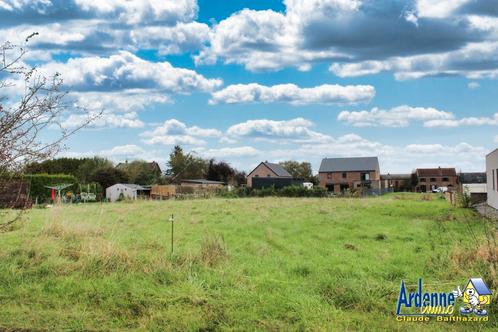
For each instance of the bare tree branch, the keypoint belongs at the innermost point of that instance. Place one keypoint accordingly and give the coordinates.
(32, 109)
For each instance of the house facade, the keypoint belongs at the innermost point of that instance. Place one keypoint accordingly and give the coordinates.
(429, 179)
(339, 174)
(267, 170)
(492, 178)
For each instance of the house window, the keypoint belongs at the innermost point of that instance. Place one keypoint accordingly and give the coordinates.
(329, 176)
(433, 179)
(344, 175)
(493, 172)
(422, 179)
(268, 175)
(446, 179)
(365, 176)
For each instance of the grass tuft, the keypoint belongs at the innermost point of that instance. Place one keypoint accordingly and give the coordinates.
(213, 250)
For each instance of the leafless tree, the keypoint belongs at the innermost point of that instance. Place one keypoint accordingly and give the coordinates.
(31, 103)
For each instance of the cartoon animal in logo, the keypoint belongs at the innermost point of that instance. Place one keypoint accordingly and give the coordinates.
(475, 295)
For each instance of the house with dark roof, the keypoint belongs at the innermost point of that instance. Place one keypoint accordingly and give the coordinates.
(429, 179)
(267, 170)
(340, 174)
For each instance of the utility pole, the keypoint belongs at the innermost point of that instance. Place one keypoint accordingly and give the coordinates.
(172, 219)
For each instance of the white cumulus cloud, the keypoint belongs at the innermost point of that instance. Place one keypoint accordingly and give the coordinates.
(173, 132)
(104, 120)
(467, 121)
(127, 71)
(399, 116)
(292, 94)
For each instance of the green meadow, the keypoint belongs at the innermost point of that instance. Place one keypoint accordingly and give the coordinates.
(316, 264)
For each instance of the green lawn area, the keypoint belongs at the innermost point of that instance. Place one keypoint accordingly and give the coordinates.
(239, 264)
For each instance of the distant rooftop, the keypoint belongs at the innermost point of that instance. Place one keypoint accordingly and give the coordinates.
(354, 164)
(395, 176)
(202, 181)
(134, 186)
(427, 172)
(277, 169)
(476, 177)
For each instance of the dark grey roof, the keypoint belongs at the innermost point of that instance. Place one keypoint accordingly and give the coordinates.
(135, 186)
(349, 164)
(478, 177)
(277, 169)
(132, 186)
(202, 181)
(395, 176)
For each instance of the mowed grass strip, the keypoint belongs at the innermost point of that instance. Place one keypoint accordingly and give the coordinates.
(238, 264)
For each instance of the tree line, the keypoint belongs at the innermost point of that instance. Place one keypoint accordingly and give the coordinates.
(181, 165)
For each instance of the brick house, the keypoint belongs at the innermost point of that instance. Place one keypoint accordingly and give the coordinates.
(268, 170)
(429, 179)
(339, 174)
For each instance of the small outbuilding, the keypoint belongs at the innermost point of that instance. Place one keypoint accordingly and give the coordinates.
(126, 191)
(396, 182)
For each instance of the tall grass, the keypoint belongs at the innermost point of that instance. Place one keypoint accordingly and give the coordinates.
(246, 264)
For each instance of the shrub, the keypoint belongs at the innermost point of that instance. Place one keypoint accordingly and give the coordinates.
(213, 250)
(289, 191)
(463, 199)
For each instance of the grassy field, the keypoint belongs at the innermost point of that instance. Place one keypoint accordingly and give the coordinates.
(239, 264)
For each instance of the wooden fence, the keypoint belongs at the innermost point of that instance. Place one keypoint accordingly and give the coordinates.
(14, 194)
(162, 191)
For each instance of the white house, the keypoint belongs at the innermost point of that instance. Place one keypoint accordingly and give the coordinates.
(129, 191)
(492, 176)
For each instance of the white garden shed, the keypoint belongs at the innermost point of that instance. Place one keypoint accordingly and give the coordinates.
(129, 191)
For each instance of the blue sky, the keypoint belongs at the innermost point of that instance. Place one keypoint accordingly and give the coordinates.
(413, 82)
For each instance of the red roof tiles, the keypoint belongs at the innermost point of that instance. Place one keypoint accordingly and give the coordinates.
(435, 172)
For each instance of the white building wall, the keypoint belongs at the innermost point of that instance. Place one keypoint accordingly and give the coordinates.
(474, 188)
(492, 178)
(113, 192)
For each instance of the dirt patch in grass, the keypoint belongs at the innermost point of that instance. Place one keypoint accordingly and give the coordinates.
(350, 246)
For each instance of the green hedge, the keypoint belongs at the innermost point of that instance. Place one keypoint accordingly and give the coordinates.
(289, 191)
(39, 181)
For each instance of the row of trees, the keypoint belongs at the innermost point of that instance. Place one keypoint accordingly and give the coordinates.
(181, 165)
(99, 170)
(189, 166)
